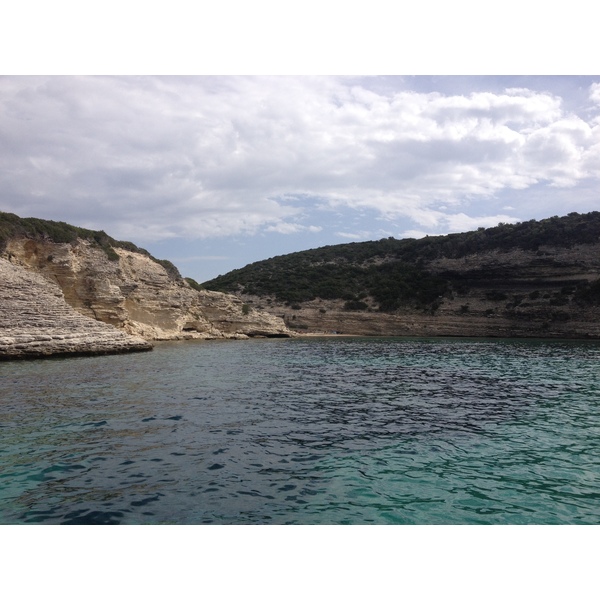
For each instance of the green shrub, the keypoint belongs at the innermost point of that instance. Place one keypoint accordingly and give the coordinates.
(194, 284)
(355, 305)
(170, 268)
(110, 253)
(62, 233)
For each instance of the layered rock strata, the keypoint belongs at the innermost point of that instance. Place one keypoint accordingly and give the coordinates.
(128, 291)
(35, 321)
(519, 293)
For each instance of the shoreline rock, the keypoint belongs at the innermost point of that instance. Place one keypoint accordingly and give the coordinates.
(72, 298)
(36, 322)
(512, 294)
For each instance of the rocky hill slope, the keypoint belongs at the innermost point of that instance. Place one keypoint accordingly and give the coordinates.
(35, 321)
(534, 279)
(111, 282)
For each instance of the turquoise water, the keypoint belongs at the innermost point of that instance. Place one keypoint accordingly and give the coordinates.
(306, 431)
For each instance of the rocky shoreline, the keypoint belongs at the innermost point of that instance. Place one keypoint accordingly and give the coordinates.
(36, 322)
(511, 294)
(67, 291)
(60, 299)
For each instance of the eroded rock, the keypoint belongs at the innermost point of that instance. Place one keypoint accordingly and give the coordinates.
(35, 321)
(134, 294)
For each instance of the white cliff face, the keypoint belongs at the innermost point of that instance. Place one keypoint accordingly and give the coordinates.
(35, 321)
(136, 294)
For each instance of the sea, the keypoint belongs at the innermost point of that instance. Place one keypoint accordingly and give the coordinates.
(307, 431)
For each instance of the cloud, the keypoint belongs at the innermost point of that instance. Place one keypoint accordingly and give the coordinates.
(287, 228)
(461, 222)
(595, 93)
(457, 223)
(362, 235)
(151, 158)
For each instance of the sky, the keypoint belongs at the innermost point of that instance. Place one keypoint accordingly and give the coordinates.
(216, 170)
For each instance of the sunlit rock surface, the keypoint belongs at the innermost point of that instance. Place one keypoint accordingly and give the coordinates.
(132, 295)
(35, 321)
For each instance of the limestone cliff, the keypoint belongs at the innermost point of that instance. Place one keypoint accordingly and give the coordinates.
(35, 321)
(535, 279)
(495, 294)
(135, 293)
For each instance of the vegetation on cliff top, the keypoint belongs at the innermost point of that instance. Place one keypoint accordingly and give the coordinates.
(12, 226)
(392, 272)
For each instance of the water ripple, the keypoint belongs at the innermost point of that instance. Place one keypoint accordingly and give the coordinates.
(348, 430)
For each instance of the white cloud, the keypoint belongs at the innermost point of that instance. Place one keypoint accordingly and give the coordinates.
(358, 235)
(287, 228)
(414, 233)
(156, 158)
(462, 222)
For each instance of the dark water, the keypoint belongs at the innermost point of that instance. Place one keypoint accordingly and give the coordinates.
(306, 431)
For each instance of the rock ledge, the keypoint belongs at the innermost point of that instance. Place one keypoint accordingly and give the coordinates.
(35, 321)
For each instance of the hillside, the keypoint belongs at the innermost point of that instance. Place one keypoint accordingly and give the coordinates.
(56, 274)
(537, 278)
(14, 227)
